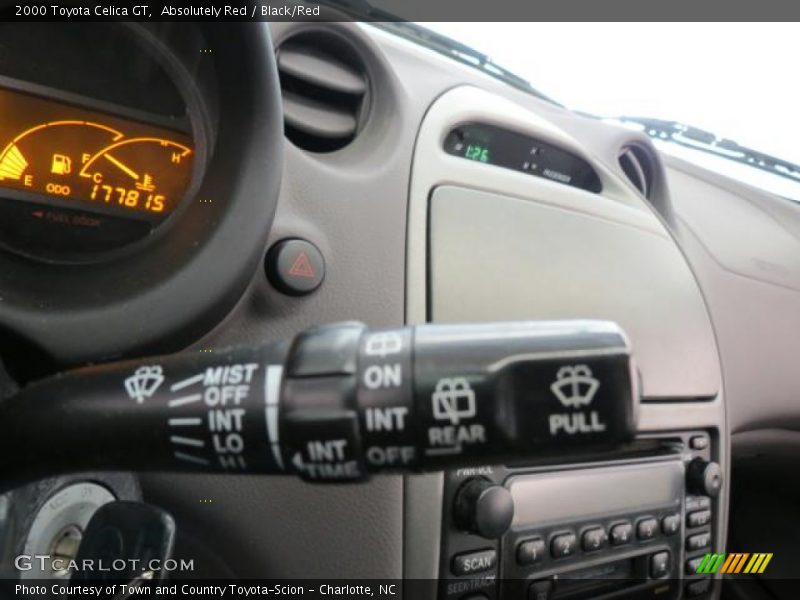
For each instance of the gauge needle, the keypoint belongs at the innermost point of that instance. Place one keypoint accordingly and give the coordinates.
(121, 166)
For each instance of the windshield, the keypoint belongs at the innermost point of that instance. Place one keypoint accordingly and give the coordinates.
(732, 79)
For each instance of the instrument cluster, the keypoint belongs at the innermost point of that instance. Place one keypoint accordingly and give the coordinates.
(93, 163)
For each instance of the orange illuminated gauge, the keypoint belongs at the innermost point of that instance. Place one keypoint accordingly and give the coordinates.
(148, 174)
(72, 158)
(27, 162)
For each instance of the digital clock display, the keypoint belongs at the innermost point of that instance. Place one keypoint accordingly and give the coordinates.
(477, 152)
(494, 145)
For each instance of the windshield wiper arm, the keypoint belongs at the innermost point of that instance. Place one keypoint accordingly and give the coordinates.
(704, 141)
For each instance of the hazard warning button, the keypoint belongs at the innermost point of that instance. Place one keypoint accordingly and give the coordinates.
(295, 266)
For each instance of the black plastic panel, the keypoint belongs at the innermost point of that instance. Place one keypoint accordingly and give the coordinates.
(646, 482)
(503, 148)
(176, 285)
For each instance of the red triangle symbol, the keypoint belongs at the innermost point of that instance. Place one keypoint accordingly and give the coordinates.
(302, 267)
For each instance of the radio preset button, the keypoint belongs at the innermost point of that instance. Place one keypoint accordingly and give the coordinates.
(698, 542)
(621, 534)
(698, 518)
(594, 539)
(563, 545)
(659, 565)
(646, 529)
(474, 562)
(671, 524)
(530, 551)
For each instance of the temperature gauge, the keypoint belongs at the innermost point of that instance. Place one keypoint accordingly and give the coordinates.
(146, 174)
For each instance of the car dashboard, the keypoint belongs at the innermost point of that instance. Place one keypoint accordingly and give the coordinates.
(189, 187)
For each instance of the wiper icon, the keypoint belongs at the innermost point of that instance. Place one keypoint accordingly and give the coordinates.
(144, 382)
(575, 386)
(453, 400)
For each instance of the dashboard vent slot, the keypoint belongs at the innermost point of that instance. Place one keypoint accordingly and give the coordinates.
(638, 167)
(325, 88)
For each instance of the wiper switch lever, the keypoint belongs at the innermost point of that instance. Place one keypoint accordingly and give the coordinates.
(336, 404)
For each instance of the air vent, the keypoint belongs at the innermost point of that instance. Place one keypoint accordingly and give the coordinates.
(639, 169)
(325, 90)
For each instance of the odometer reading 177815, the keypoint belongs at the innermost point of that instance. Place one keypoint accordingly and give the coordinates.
(91, 161)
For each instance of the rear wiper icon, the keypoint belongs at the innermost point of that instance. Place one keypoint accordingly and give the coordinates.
(453, 400)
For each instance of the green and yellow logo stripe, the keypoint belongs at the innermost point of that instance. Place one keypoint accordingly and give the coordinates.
(735, 562)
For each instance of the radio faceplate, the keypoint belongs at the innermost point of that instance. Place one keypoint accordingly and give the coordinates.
(624, 528)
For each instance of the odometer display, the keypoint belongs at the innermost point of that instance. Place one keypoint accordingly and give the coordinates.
(90, 161)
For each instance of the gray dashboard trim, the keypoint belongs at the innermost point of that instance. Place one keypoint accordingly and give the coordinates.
(353, 203)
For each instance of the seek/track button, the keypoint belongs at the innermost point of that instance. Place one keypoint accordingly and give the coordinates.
(474, 562)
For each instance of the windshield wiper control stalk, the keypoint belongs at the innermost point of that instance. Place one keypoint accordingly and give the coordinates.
(335, 404)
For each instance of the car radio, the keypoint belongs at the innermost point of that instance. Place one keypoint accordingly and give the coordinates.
(634, 526)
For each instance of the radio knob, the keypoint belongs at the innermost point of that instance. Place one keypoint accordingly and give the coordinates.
(703, 477)
(484, 508)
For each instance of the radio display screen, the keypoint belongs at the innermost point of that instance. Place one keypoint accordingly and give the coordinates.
(558, 496)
